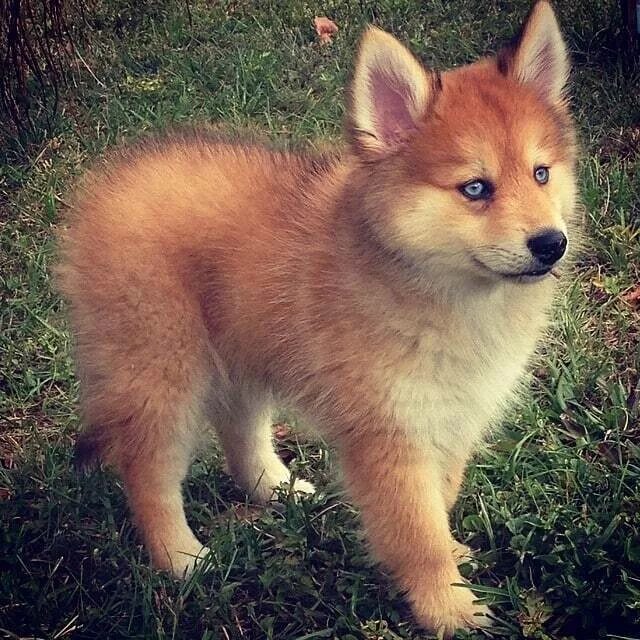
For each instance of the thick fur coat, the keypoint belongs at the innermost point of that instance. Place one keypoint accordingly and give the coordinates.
(391, 294)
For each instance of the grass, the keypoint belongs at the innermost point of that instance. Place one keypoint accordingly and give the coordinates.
(553, 503)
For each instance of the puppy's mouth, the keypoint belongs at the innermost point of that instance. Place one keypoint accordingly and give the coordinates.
(536, 273)
(529, 275)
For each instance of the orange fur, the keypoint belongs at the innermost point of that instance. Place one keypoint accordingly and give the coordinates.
(208, 280)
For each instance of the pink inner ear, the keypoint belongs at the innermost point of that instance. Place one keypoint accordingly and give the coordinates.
(544, 71)
(390, 98)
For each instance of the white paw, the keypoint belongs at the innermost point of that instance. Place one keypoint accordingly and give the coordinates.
(303, 486)
(272, 476)
(443, 610)
(184, 562)
(266, 491)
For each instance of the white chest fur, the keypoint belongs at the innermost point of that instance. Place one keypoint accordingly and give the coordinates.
(459, 378)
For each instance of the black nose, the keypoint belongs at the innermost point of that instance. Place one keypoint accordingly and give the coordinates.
(548, 246)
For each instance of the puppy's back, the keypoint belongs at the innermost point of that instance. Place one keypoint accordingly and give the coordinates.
(131, 269)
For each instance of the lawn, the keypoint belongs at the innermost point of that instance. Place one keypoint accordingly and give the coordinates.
(552, 503)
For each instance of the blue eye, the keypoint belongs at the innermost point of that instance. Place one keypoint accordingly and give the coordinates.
(476, 190)
(541, 174)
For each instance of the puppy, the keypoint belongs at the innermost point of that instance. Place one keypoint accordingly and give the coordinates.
(391, 293)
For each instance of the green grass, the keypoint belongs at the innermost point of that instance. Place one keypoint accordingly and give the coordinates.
(553, 503)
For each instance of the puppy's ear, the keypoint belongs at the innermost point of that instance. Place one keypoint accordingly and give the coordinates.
(390, 94)
(539, 58)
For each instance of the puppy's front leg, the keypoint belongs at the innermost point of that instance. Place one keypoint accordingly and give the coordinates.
(400, 491)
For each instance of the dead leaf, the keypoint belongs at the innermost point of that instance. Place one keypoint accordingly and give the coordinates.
(632, 297)
(282, 431)
(325, 29)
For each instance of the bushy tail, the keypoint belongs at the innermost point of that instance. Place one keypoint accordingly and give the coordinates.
(88, 452)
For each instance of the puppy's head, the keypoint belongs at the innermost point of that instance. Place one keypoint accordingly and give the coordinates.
(468, 172)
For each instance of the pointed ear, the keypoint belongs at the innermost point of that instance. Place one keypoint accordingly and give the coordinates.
(540, 56)
(390, 93)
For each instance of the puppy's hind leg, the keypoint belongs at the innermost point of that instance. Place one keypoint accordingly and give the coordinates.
(147, 430)
(153, 482)
(144, 361)
(244, 431)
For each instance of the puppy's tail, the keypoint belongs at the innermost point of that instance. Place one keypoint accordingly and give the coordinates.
(88, 451)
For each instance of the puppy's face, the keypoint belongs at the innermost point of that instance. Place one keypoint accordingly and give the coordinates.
(470, 172)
